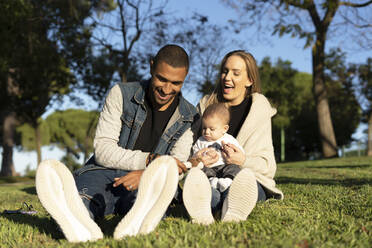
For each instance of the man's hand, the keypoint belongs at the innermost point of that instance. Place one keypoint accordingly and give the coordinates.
(130, 181)
(151, 157)
(181, 167)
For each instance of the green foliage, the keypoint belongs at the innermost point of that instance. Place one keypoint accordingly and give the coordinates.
(27, 134)
(99, 74)
(42, 45)
(73, 130)
(365, 81)
(342, 97)
(29, 172)
(291, 93)
(313, 21)
(303, 132)
(70, 162)
(327, 204)
(278, 85)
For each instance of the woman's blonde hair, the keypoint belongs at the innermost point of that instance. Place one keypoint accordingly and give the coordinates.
(252, 73)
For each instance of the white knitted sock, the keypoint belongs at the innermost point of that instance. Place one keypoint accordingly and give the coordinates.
(213, 181)
(224, 183)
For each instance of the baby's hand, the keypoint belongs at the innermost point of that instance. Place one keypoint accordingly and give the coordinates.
(209, 151)
(207, 156)
(210, 155)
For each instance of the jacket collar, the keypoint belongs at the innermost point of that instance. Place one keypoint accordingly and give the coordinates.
(261, 110)
(139, 96)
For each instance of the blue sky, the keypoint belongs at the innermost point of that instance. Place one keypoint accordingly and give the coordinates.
(285, 48)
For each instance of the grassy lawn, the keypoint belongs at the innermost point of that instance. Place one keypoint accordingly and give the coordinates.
(328, 203)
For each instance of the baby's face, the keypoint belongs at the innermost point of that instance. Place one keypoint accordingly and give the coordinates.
(213, 128)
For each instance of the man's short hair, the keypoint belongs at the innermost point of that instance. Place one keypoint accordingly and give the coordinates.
(220, 110)
(173, 55)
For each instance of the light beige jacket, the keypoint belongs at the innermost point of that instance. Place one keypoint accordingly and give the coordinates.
(255, 137)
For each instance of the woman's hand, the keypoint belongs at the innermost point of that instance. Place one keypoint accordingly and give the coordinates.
(130, 181)
(232, 154)
(207, 156)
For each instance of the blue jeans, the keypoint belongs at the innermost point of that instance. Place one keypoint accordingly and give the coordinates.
(218, 197)
(95, 186)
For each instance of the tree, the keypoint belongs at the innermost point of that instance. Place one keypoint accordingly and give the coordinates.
(205, 47)
(35, 66)
(73, 130)
(11, 14)
(143, 28)
(339, 77)
(28, 137)
(311, 20)
(99, 74)
(278, 85)
(121, 28)
(365, 81)
(290, 92)
(121, 41)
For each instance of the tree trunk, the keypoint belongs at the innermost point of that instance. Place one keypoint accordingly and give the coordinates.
(124, 77)
(369, 142)
(9, 124)
(282, 144)
(38, 143)
(124, 70)
(89, 135)
(327, 135)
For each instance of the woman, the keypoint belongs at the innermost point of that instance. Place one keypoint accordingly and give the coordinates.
(250, 124)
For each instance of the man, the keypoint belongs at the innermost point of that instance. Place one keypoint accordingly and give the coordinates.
(138, 122)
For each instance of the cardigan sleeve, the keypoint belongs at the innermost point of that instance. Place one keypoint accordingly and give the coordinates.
(182, 148)
(260, 152)
(106, 149)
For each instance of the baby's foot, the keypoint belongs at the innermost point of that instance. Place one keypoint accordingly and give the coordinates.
(223, 184)
(213, 181)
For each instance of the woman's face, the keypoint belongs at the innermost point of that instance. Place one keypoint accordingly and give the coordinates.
(234, 80)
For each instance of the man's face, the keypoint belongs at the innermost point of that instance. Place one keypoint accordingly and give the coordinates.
(166, 83)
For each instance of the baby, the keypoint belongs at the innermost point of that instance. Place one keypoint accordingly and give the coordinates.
(215, 123)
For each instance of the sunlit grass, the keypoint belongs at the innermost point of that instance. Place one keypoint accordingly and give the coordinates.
(328, 203)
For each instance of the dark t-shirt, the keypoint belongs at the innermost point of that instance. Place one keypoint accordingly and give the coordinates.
(154, 125)
(238, 115)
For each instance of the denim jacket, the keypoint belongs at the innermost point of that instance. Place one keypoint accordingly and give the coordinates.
(120, 123)
(134, 115)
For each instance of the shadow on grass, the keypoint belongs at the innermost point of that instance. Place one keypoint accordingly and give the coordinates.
(359, 166)
(48, 226)
(177, 211)
(343, 182)
(43, 224)
(109, 223)
(30, 190)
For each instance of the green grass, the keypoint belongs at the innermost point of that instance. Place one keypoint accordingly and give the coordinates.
(328, 203)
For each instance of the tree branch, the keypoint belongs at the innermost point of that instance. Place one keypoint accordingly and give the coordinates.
(332, 7)
(348, 20)
(138, 30)
(313, 13)
(298, 4)
(123, 25)
(356, 5)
